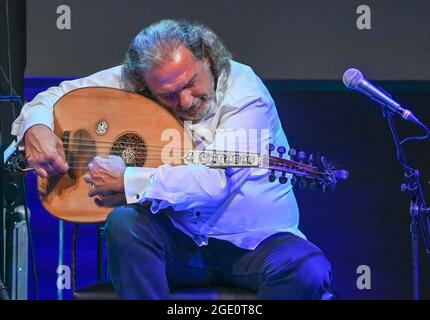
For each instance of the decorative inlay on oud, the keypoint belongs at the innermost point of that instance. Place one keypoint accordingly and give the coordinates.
(131, 148)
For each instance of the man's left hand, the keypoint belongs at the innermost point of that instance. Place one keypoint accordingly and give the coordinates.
(107, 176)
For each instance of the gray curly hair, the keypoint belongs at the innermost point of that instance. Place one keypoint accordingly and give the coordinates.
(159, 41)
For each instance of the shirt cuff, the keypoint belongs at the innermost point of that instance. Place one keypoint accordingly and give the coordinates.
(136, 180)
(37, 117)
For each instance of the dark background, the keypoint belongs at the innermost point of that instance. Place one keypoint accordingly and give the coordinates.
(12, 61)
(293, 39)
(300, 49)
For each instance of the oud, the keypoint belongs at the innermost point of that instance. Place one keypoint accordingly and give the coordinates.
(99, 121)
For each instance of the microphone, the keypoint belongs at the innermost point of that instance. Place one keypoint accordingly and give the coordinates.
(354, 79)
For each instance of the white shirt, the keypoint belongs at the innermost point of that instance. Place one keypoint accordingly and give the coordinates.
(239, 205)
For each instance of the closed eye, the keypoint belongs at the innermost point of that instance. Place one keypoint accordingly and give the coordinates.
(173, 95)
(168, 96)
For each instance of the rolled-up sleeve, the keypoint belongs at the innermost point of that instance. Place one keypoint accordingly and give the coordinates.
(40, 109)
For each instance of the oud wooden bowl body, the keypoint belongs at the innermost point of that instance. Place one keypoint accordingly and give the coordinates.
(102, 121)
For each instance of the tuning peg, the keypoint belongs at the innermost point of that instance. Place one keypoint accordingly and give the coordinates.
(272, 176)
(311, 159)
(302, 184)
(294, 180)
(302, 156)
(324, 162)
(341, 174)
(270, 147)
(292, 153)
(281, 150)
(283, 179)
(328, 187)
(313, 186)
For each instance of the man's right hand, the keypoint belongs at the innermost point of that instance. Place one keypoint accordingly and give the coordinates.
(44, 151)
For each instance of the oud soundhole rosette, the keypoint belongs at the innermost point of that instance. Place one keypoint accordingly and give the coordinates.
(102, 127)
(131, 148)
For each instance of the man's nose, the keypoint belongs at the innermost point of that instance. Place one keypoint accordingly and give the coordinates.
(186, 99)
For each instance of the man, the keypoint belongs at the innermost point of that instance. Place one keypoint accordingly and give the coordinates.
(204, 226)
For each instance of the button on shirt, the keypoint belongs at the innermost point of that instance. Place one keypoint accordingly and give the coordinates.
(239, 205)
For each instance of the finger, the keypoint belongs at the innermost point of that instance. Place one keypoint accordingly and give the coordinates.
(41, 168)
(113, 156)
(42, 172)
(88, 178)
(110, 201)
(49, 168)
(98, 191)
(59, 165)
(116, 160)
(37, 167)
(60, 149)
(93, 192)
(98, 201)
(97, 159)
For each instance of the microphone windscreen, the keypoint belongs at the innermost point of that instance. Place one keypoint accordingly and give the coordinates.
(352, 78)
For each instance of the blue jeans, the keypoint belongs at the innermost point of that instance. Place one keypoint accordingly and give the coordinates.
(148, 256)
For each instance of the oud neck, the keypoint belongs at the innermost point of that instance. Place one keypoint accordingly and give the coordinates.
(224, 159)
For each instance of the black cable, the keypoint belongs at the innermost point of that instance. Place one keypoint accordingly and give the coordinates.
(13, 92)
(413, 138)
(9, 60)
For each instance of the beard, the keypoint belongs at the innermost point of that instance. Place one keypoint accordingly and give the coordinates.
(200, 108)
(201, 105)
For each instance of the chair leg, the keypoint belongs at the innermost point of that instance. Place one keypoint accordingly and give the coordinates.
(100, 252)
(75, 240)
(60, 253)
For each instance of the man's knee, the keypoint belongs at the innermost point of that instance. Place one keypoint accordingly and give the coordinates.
(302, 268)
(122, 223)
(307, 279)
(314, 272)
(309, 270)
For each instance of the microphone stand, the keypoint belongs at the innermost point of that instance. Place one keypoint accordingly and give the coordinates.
(7, 217)
(419, 212)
